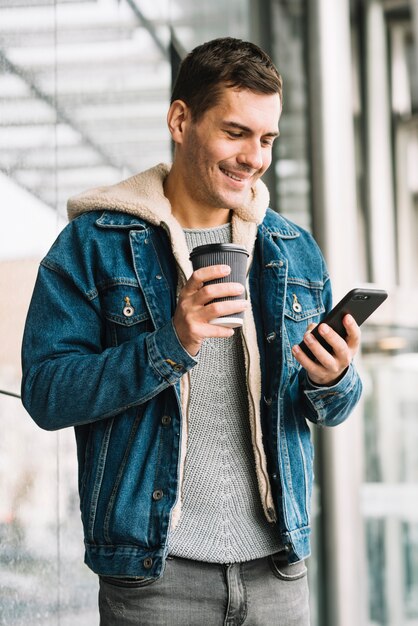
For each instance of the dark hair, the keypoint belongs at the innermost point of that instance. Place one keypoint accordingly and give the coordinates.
(223, 62)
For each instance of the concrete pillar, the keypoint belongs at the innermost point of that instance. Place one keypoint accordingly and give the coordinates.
(381, 210)
(337, 231)
(333, 165)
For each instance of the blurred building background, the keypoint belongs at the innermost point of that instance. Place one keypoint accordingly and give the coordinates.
(84, 89)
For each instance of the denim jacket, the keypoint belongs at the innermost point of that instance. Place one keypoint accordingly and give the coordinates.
(100, 354)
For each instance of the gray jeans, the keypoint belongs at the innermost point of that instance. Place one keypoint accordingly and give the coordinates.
(263, 592)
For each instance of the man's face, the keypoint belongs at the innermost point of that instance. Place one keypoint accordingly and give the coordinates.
(224, 153)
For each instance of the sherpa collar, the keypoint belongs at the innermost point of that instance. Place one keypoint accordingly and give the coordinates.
(142, 195)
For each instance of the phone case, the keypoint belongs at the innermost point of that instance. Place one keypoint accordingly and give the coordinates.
(360, 303)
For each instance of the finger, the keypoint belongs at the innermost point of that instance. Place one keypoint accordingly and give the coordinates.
(212, 272)
(314, 369)
(345, 348)
(218, 290)
(328, 369)
(202, 275)
(323, 356)
(202, 326)
(342, 354)
(317, 373)
(220, 309)
(220, 332)
(333, 339)
(353, 333)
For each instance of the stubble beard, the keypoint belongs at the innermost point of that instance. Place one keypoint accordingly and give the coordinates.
(206, 189)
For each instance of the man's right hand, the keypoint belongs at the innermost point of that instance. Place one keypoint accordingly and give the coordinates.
(193, 313)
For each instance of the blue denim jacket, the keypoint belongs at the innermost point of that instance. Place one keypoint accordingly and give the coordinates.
(116, 378)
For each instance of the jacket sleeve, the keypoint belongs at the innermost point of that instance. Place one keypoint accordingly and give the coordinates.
(330, 406)
(69, 378)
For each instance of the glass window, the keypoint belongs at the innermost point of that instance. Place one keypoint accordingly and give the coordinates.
(389, 494)
(84, 89)
(196, 21)
(292, 168)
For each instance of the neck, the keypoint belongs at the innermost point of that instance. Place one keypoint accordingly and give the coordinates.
(188, 213)
(187, 219)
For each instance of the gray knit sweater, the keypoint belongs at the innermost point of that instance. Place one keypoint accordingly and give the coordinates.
(222, 519)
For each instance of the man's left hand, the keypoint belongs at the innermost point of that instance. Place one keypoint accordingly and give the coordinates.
(330, 367)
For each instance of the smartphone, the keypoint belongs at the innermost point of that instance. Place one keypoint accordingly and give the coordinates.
(360, 303)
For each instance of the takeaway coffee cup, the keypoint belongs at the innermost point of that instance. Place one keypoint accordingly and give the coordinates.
(226, 254)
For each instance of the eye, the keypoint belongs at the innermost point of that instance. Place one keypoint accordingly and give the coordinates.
(267, 142)
(234, 135)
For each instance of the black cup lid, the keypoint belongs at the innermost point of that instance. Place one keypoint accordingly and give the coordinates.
(217, 247)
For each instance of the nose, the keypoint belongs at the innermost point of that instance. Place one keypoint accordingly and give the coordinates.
(252, 155)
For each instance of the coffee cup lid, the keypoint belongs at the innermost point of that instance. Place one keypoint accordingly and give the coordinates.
(217, 247)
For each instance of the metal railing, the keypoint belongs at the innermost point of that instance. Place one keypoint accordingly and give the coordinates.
(9, 393)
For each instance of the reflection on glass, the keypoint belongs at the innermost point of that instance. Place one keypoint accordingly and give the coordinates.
(376, 568)
(292, 165)
(390, 491)
(372, 459)
(42, 575)
(410, 557)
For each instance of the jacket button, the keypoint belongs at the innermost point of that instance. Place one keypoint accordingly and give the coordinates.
(178, 367)
(157, 494)
(165, 420)
(148, 563)
(158, 277)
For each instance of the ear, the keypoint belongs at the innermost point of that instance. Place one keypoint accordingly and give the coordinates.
(178, 117)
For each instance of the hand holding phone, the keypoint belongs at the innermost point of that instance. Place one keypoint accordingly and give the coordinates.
(360, 303)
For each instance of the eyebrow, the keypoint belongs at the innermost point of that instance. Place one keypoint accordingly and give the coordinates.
(248, 130)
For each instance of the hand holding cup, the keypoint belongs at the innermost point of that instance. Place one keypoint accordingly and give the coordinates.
(210, 305)
(235, 257)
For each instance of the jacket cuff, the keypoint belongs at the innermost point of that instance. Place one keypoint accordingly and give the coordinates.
(343, 384)
(332, 405)
(167, 354)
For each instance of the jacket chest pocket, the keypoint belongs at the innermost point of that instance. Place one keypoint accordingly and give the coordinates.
(303, 306)
(125, 312)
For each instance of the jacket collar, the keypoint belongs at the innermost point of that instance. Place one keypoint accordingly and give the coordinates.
(141, 199)
(143, 196)
(274, 225)
(113, 219)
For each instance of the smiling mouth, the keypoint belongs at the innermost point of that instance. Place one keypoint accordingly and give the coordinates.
(232, 176)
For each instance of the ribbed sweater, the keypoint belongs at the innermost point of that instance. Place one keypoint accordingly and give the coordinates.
(222, 519)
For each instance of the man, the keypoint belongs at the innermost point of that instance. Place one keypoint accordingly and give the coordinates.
(195, 459)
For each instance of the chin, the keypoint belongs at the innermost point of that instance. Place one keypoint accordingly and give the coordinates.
(237, 202)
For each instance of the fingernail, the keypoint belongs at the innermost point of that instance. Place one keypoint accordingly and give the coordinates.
(324, 328)
(226, 268)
